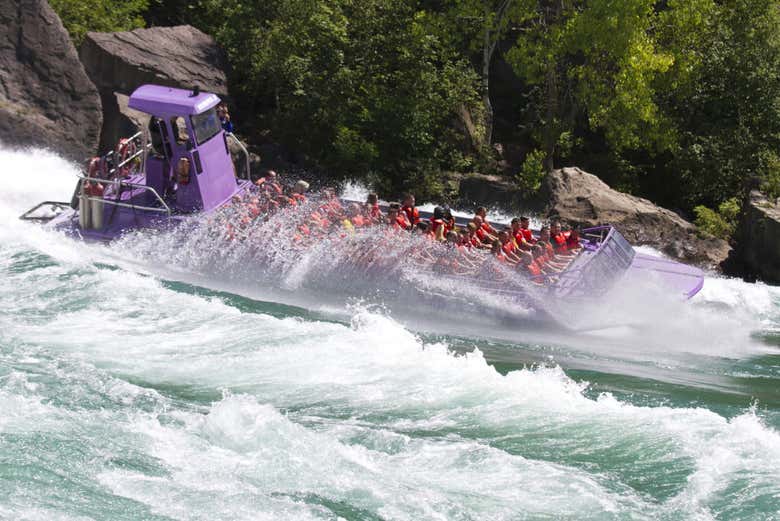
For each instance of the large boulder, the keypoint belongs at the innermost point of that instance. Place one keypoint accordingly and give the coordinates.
(759, 238)
(46, 98)
(118, 63)
(582, 199)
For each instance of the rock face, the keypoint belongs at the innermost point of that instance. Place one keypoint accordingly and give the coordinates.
(118, 63)
(759, 238)
(46, 98)
(582, 199)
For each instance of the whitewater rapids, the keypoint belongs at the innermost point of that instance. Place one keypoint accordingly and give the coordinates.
(131, 389)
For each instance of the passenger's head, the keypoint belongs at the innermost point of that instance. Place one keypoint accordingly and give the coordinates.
(477, 220)
(353, 209)
(270, 175)
(421, 227)
(448, 213)
(482, 212)
(408, 199)
(301, 187)
(372, 199)
(515, 224)
(452, 237)
(544, 233)
(537, 250)
(438, 213)
(495, 246)
(503, 236)
(472, 228)
(555, 227)
(392, 212)
(525, 222)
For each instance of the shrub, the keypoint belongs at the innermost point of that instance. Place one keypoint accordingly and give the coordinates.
(721, 223)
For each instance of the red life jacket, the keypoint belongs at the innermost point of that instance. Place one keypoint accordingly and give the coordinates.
(534, 269)
(573, 240)
(299, 197)
(559, 242)
(358, 220)
(549, 250)
(411, 214)
(508, 247)
(400, 221)
(527, 235)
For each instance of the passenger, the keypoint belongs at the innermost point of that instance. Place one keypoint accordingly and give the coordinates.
(532, 269)
(270, 181)
(298, 191)
(155, 135)
(474, 239)
(509, 248)
(356, 217)
(224, 118)
(516, 231)
(572, 239)
(497, 251)
(544, 240)
(422, 228)
(438, 224)
(558, 239)
(372, 208)
(412, 214)
(449, 220)
(481, 232)
(396, 218)
(482, 213)
(525, 228)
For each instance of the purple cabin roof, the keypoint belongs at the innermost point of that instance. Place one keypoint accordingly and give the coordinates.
(168, 101)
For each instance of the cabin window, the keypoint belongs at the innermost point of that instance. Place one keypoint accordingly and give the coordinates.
(206, 125)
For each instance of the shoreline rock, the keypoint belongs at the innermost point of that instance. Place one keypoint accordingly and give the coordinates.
(582, 199)
(119, 62)
(758, 241)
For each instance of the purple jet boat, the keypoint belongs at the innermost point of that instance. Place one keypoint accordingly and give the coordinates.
(180, 167)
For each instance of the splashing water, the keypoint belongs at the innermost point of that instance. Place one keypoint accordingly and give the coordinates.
(157, 379)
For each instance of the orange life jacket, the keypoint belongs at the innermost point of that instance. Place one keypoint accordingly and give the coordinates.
(411, 214)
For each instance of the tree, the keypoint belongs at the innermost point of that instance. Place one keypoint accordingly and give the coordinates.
(598, 60)
(81, 17)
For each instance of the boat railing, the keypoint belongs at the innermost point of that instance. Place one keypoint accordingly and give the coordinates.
(118, 184)
(243, 149)
(594, 270)
(140, 150)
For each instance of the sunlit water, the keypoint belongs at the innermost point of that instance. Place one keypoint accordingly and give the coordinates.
(139, 382)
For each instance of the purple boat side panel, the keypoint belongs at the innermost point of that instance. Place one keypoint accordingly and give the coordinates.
(687, 280)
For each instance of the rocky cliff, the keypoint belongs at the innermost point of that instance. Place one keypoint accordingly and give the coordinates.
(46, 98)
(759, 238)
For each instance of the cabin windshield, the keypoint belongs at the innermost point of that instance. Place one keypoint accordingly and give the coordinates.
(206, 125)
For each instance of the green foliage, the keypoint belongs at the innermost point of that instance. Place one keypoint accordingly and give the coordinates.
(721, 223)
(80, 17)
(678, 101)
(358, 87)
(532, 172)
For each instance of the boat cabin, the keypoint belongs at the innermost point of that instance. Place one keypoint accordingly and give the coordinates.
(180, 164)
(187, 162)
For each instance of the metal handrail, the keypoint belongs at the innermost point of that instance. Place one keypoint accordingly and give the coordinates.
(119, 183)
(246, 153)
(125, 205)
